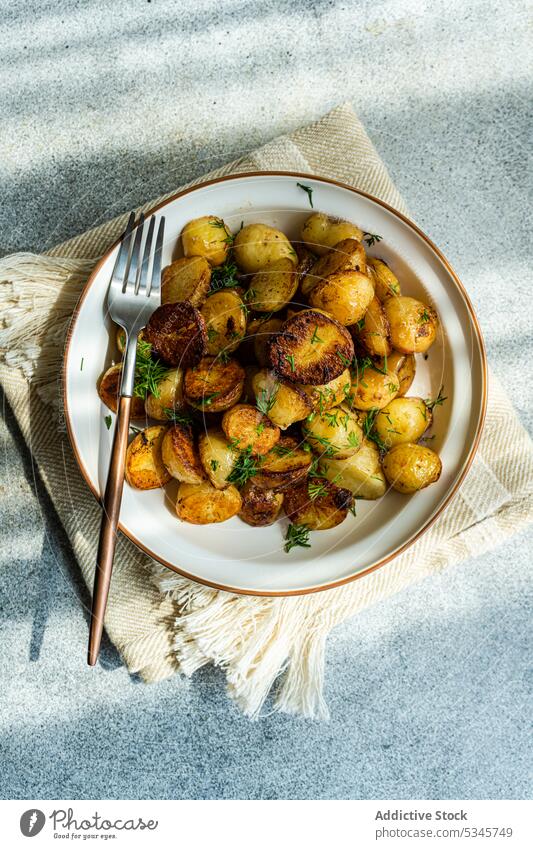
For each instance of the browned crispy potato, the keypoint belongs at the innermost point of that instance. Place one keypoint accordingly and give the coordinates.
(169, 397)
(317, 504)
(335, 432)
(261, 330)
(177, 334)
(186, 279)
(361, 473)
(385, 282)
(284, 465)
(260, 507)
(345, 295)
(403, 420)
(409, 467)
(306, 260)
(257, 246)
(329, 394)
(180, 455)
(144, 464)
(248, 428)
(202, 504)
(273, 287)
(373, 389)
(213, 386)
(207, 236)
(283, 403)
(225, 318)
(372, 331)
(217, 457)
(108, 390)
(348, 255)
(310, 348)
(321, 232)
(404, 365)
(413, 325)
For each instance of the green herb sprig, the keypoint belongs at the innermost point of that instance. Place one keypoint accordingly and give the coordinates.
(371, 238)
(297, 535)
(309, 192)
(149, 371)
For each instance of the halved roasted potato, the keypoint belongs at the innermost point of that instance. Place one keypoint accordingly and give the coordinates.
(177, 334)
(317, 504)
(403, 420)
(372, 389)
(169, 396)
(186, 279)
(257, 246)
(372, 331)
(385, 282)
(202, 504)
(284, 465)
(403, 364)
(283, 403)
(260, 507)
(306, 260)
(217, 457)
(144, 464)
(261, 330)
(225, 318)
(212, 385)
(410, 467)
(208, 237)
(348, 255)
(345, 295)
(321, 232)
(334, 433)
(329, 394)
(413, 325)
(272, 287)
(246, 427)
(180, 455)
(310, 348)
(108, 390)
(361, 473)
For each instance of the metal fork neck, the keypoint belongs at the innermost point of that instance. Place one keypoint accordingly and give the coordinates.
(128, 365)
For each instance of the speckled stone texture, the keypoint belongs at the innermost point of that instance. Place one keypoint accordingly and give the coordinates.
(108, 103)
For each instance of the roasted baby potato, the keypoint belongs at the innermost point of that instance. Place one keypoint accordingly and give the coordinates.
(260, 507)
(409, 467)
(321, 232)
(257, 246)
(373, 389)
(213, 385)
(180, 455)
(108, 390)
(284, 465)
(217, 457)
(345, 295)
(202, 504)
(329, 394)
(261, 330)
(405, 367)
(361, 473)
(385, 282)
(207, 236)
(317, 504)
(372, 331)
(348, 255)
(177, 334)
(310, 348)
(283, 403)
(246, 427)
(186, 279)
(334, 433)
(144, 465)
(403, 420)
(413, 325)
(169, 396)
(225, 318)
(273, 287)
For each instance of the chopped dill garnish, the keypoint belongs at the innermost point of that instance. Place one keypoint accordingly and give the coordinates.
(371, 238)
(81, 364)
(177, 417)
(266, 400)
(316, 488)
(315, 337)
(245, 467)
(438, 401)
(424, 317)
(214, 464)
(297, 535)
(148, 371)
(108, 421)
(224, 277)
(290, 360)
(309, 192)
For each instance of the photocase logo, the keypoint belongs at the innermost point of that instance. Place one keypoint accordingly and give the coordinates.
(32, 822)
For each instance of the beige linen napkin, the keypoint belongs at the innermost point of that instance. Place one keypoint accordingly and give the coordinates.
(162, 623)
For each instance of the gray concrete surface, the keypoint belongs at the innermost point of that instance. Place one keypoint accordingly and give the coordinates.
(108, 103)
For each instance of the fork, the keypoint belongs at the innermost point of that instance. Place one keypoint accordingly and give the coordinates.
(133, 295)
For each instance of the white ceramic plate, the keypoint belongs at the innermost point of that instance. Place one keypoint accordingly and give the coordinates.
(233, 555)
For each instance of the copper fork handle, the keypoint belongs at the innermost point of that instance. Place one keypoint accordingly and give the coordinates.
(108, 528)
